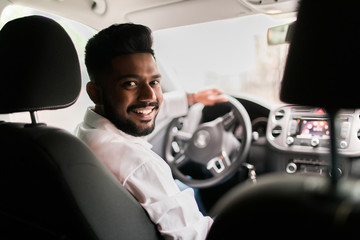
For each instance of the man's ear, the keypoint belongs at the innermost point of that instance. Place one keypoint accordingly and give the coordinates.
(95, 93)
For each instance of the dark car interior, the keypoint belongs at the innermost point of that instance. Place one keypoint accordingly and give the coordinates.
(303, 205)
(53, 187)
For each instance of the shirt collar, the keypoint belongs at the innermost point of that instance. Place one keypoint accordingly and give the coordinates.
(95, 120)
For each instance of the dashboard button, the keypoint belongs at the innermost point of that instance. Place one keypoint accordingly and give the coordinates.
(314, 142)
(290, 140)
(343, 144)
(291, 168)
(345, 126)
(293, 127)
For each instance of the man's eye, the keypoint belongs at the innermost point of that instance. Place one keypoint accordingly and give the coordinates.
(130, 84)
(155, 82)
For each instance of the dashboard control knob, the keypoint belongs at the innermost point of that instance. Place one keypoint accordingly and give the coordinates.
(289, 140)
(338, 171)
(291, 168)
(314, 142)
(343, 144)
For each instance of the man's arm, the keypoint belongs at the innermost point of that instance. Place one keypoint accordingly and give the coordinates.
(208, 97)
(175, 212)
(176, 103)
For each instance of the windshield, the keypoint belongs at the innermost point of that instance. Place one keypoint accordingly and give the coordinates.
(232, 55)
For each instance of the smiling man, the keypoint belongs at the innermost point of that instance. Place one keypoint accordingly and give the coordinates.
(132, 94)
(125, 87)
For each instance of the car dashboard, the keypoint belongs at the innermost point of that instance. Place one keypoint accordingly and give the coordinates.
(287, 139)
(295, 139)
(299, 138)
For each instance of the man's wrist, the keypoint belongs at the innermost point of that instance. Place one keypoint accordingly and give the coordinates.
(190, 98)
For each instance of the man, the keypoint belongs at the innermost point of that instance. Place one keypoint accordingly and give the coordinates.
(125, 87)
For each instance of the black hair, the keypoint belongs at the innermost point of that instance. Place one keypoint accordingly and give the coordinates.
(114, 41)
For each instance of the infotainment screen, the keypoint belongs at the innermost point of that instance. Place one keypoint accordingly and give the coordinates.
(310, 128)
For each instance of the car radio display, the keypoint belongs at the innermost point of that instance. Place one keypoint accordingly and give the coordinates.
(312, 128)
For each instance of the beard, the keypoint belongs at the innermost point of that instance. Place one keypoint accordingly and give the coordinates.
(127, 125)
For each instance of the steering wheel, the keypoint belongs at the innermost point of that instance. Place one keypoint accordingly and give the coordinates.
(211, 147)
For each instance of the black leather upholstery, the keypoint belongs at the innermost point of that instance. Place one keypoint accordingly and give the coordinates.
(52, 186)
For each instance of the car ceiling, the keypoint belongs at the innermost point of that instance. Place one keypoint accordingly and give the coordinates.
(157, 14)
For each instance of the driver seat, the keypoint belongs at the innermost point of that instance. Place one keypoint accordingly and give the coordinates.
(52, 186)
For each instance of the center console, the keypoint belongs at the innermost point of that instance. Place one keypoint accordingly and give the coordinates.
(305, 131)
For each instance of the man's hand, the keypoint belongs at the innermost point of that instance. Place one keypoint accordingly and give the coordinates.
(208, 97)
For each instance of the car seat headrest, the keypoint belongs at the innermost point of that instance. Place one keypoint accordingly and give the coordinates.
(39, 66)
(322, 66)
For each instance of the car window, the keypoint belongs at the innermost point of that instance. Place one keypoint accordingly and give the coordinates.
(232, 55)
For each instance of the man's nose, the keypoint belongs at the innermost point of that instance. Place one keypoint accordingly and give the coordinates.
(146, 93)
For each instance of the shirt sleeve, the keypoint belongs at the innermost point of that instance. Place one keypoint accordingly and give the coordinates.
(175, 212)
(174, 105)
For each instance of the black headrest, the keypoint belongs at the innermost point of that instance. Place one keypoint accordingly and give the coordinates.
(322, 67)
(39, 66)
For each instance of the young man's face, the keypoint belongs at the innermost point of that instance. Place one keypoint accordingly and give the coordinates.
(132, 94)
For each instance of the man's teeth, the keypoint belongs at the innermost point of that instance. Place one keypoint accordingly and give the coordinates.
(143, 111)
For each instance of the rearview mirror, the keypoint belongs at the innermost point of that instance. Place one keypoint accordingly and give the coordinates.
(280, 34)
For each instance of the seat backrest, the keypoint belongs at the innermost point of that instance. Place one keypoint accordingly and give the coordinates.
(52, 185)
(283, 206)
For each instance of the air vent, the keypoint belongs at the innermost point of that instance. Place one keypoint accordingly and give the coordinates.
(279, 114)
(276, 131)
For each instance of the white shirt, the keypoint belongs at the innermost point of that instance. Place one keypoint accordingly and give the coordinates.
(146, 176)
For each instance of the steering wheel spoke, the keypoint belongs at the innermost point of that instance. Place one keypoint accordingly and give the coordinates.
(180, 160)
(182, 135)
(210, 146)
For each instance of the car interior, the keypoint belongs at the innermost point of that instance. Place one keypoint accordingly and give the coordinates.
(329, 206)
(45, 169)
(290, 169)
